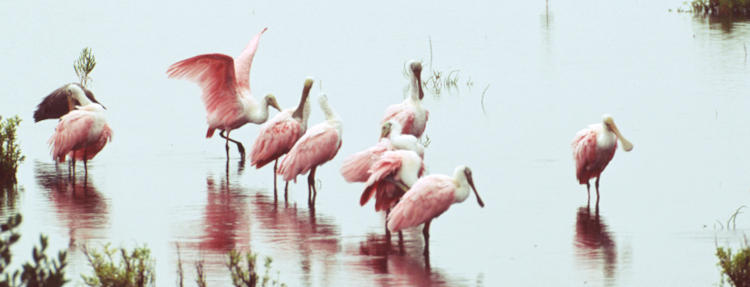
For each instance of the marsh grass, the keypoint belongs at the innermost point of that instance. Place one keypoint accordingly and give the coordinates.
(132, 269)
(10, 152)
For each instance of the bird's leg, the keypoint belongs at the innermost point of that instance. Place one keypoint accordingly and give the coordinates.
(314, 189)
(597, 187)
(226, 145)
(275, 167)
(426, 233)
(85, 164)
(286, 191)
(240, 147)
(387, 232)
(310, 184)
(588, 190)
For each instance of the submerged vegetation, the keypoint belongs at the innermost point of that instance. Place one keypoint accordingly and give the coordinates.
(10, 152)
(42, 271)
(84, 65)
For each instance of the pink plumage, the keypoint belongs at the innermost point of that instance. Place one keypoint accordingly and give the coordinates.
(590, 158)
(392, 164)
(412, 121)
(319, 145)
(429, 197)
(356, 167)
(226, 87)
(82, 133)
(276, 138)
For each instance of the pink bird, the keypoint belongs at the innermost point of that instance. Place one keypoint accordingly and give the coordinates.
(81, 133)
(317, 146)
(226, 90)
(356, 167)
(594, 147)
(278, 135)
(410, 113)
(391, 176)
(428, 198)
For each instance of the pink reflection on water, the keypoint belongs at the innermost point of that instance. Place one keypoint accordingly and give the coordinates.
(594, 243)
(77, 202)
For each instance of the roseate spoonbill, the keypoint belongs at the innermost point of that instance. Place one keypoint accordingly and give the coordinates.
(594, 147)
(81, 134)
(399, 167)
(63, 100)
(226, 90)
(356, 167)
(428, 198)
(278, 135)
(410, 113)
(391, 176)
(317, 146)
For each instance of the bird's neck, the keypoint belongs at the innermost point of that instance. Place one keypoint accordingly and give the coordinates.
(462, 186)
(328, 111)
(606, 138)
(414, 88)
(257, 112)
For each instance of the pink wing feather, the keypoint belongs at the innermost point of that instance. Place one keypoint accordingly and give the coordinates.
(93, 149)
(245, 60)
(388, 164)
(215, 74)
(319, 145)
(276, 138)
(405, 115)
(356, 167)
(70, 134)
(429, 197)
(590, 161)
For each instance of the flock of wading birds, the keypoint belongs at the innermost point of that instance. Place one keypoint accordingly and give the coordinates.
(392, 169)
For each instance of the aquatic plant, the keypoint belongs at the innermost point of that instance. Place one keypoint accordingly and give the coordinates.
(84, 64)
(10, 152)
(248, 276)
(42, 271)
(735, 266)
(722, 7)
(133, 269)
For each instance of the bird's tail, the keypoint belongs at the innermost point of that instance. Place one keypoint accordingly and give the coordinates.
(210, 132)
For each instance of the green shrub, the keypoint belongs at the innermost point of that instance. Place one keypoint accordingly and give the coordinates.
(10, 152)
(134, 269)
(735, 266)
(248, 276)
(41, 272)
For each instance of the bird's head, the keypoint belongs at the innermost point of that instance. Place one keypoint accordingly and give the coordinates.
(416, 70)
(609, 123)
(271, 101)
(466, 171)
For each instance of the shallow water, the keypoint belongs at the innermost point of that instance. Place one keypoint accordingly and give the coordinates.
(675, 84)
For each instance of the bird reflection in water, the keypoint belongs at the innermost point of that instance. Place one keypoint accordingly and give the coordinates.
(225, 217)
(410, 269)
(594, 243)
(312, 238)
(76, 201)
